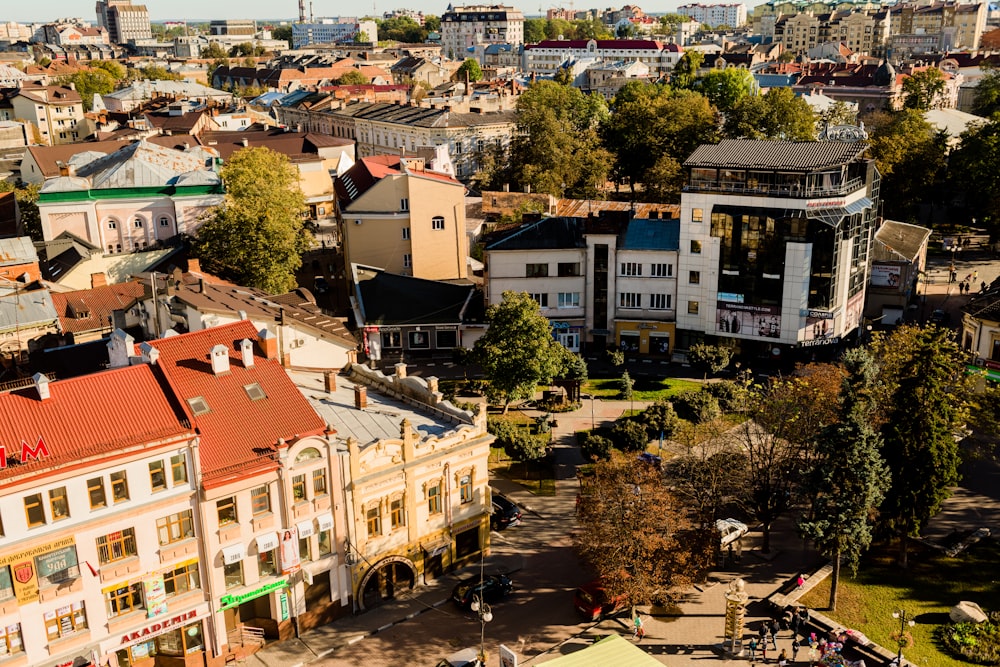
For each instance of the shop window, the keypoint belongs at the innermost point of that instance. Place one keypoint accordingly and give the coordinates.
(419, 340)
(175, 527)
(571, 341)
(34, 510)
(266, 565)
(226, 510)
(392, 339)
(116, 546)
(65, 621)
(536, 270)
(178, 469)
(434, 499)
(260, 500)
(58, 503)
(95, 489)
(465, 488)
(299, 488)
(182, 580)
(319, 483)
(179, 642)
(374, 520)
(157, 476)
(10, 640)
(324, 543)
(124, 600)
(233, 574)
(447, 339)
(305, 553)
(119, 486)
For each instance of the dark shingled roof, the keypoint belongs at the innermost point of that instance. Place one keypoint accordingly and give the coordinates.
(985, 305)
(388, 298)
(547, 233)
(755, 154)
(899, 241)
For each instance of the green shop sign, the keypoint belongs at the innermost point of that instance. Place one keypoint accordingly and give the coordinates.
(227, 601)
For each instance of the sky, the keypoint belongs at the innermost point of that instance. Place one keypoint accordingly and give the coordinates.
(194, 10)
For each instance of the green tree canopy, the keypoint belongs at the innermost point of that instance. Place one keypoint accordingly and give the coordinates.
(777, 114)
(710, 358)
(556, 149)
(685, 73)
(89, 83)
(923, 90)
(215, 50)
(972, 170)
(353, 77)
(670, 23)
(534, 30)
(256, 237)
(283, 32)
(401, 29)
(112, 67)
(471, 69)
(155, 73)
(517, 352)
(725, 87)
(987, 100)
(27, 204)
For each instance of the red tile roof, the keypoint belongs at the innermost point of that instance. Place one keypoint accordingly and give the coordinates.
(97, 303)
(89, 417)
(238, 435)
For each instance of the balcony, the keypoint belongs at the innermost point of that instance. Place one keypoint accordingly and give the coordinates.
(790, 191)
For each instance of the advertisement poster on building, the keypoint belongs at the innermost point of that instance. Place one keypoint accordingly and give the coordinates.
(853, 312)
(155, 592)
(885, 275)
(23, 568)
(749, 320)
(290, 561)
(819, 327)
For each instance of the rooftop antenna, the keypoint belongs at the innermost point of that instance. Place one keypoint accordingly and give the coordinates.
(311, 20)
(302, 11)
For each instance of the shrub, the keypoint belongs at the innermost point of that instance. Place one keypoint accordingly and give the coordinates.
(660, 418)
(629, 435)
(698, 406)
(728, 393)
(595, 447)
(974, 642)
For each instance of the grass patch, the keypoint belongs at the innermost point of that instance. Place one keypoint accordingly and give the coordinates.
(538, 477)
(926, 590)
(644, 389)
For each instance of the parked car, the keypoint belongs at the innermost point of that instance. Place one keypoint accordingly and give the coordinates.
(593, 602)
(505, 513)
(730, 530)
(491, 588)
(941, 318)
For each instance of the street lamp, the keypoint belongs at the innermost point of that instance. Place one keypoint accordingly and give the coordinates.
(903, 623)
(485, 616)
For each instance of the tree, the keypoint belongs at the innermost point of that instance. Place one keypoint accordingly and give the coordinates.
(849, 475)
(725, 87)
(699, 407)
(686, 71)
(710, 358)
(517, 352)
(708, 470)
(595, 447)
(432, 23)
(777, 114)
(923, 90)
(534, 30)
(89, 83)
(27, 204)
(471, 69)
(214, 65)
(112, 67)
(361, 37)
(660, 419)
(256, 237)
(627, 386)
(401, 29)
(155, 73)
(972, 170)
(353, 78)
(629, 435)
(838, 113)
(572, 373)
(987, 98)
(214, 50)
(671, 23)
(634, 533)
(282, 32)
(556, 149)
(923, 372)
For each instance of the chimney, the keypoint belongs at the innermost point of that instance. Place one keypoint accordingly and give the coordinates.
(268, 344)
(330, 381)
(401, 370)
(194, 265)
(42, 385)
(242, 314)
(220, 360)
(149, 354)
(245, 142)
(360, 397)
(246, 351)
(120, 348)
(98, 280)
(63, 168)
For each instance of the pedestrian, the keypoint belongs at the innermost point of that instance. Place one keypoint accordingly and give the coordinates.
(639, 631)
(800, 581)
(729, 555)
(796, 622)
(795, 648)
(753, 648)
(982, 286)
(783, 659)
(975, 275)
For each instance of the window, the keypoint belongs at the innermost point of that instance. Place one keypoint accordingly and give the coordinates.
(407, 260)
(404, 204)
(541, 298)
(260, 500)
(434, 499)
(630, 300)
(465, 488)
(437, 223)
(319, 483)
(178, 469)
(569, 299)
(226, 509)
(119, 486)
(233, 574)
(406, 233)
(112, 224)
(694, 277)
(697, 214)
(538, 270)
(324, 543)
(692, 307)
(396, 513)
(64, 621)
(567, 269)
(254, 391)
(392, 339)
(299, 488)
(10, 640)
(138, 223)
(58, 503)
(95, 489)
(34, 509)
(659, 301)
(631, 269)
(419, 340)
(175, 527)
(164, 222)
(266, 566)
(157, 476)
(116, 546)
(695, 247)
(198, 405)
(661, 270)
(374, 520)
(182, 580)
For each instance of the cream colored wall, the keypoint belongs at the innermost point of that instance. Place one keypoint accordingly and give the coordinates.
(437, 254)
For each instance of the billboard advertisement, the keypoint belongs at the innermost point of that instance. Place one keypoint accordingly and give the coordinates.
(749, 320)
(886, 275)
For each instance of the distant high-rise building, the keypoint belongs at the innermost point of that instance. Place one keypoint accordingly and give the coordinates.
(732, 15)
(123, 20)
(233, 27)
(333, 31)
(462, 27)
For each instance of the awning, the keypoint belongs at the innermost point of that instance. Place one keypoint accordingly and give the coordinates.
(834, 214)
(436, 547)
(233, 554)
(325, 521)
(305, 528)
(267, 542)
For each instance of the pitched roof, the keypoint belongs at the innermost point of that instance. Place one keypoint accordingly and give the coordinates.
(546, 234)
(17, 250)
(297, 146)
(239, 435)
(88, 417)
(368, 171)
(141, 164)
(897, 241)
(387, 298)
(24, 308)
(48, 157)
(761, 154)
(91, 309)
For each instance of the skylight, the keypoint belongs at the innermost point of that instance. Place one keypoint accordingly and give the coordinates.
(198, 405)
(254, 391)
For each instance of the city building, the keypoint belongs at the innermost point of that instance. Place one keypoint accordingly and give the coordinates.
(950, 25)
(18, 260)
(732, 15)
(55, 112)
(462, 27)
(91, 314)
(775, 243)
(333, 31)
(26, 315)
(548, 56)
(980, 332)
(247, 27)
(899, 258)
(395, 214)
(124, 21)
(862, 32)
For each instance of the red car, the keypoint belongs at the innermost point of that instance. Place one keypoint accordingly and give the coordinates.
(592, 601)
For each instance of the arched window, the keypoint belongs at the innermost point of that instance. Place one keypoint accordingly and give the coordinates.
(164, 222)
(437, 222)
(308, 454)
(112, 224)
(138, 223)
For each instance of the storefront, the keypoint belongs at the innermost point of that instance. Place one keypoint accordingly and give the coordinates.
(257, 607)
(568, 333)
(167, 640)
(646, 338)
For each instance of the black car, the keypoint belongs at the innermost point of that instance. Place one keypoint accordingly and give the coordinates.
(491, 588)
(505, 513)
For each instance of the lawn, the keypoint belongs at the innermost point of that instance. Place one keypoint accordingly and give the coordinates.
(926, 590)
(644, 389)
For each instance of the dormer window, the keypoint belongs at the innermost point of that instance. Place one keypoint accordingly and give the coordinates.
(198, 405)
(255, 392)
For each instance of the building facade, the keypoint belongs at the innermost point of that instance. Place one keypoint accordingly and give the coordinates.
(332, 31)
(733, 15)
(462, 27)
(55, 112)
(548, 56)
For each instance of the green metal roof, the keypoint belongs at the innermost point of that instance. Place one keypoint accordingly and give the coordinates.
(126, 193)
(612, 650)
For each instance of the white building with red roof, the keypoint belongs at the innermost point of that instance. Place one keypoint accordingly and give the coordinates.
(549, 55)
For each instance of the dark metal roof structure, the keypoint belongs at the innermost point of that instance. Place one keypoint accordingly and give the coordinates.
(776, 155)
